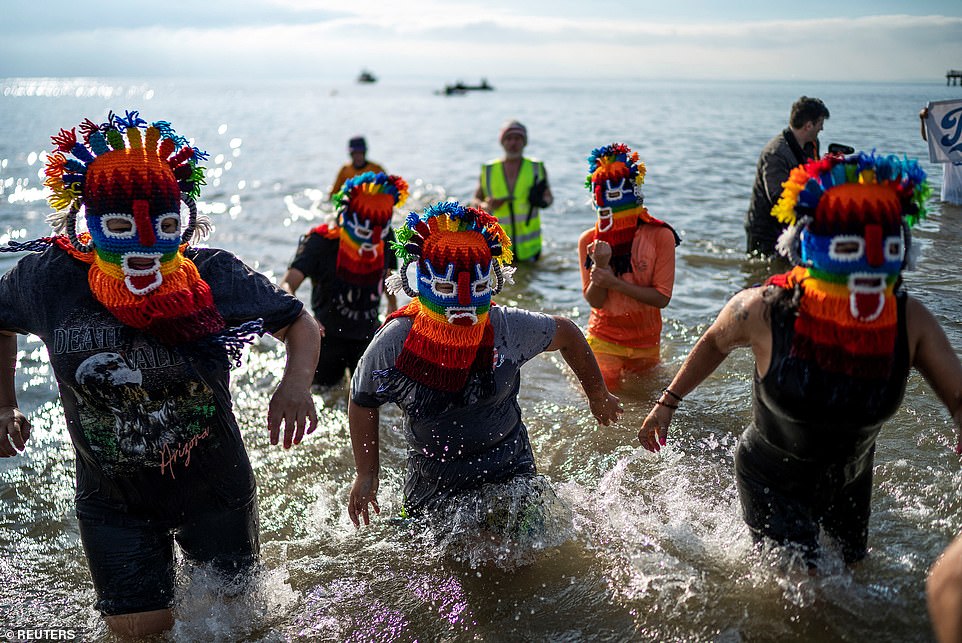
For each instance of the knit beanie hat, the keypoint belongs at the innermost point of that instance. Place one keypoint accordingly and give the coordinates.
(513, 127)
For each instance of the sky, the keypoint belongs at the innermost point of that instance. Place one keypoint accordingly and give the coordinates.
(839, 40)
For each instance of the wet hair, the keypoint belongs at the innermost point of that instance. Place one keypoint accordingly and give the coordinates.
(807, 110)
(785, 299)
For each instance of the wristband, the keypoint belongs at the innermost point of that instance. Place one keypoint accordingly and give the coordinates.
(672, 394)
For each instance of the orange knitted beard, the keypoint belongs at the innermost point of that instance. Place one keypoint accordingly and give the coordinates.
(355, 267)
(440, 355)
(179, 311)
(829, 336)
(622, 230)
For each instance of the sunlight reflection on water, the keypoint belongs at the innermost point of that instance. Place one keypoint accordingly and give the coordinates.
(646, 547)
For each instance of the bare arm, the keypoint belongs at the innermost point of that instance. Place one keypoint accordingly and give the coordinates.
(364, 423)
(742, 322)
(14, 426)
(662, 259)
(943, 589)
(292, 280)
(605, 279)
(923, 114)
(601, 279)
(292, 404)
(935, 359)
(577, 354)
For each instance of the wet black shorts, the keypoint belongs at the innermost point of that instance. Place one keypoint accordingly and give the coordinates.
(132, 560)
(790, 500)
(337, 355)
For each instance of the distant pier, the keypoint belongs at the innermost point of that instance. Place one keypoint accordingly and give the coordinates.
(953, 77)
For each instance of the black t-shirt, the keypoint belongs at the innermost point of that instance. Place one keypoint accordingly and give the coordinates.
(152, 426)
(345, 311)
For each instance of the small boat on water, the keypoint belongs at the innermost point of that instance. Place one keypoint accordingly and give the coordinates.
(460, 88)
(366, 77)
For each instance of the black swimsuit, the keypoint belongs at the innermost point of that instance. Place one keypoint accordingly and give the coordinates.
(806, 461)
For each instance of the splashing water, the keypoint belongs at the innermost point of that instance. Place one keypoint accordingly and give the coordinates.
(503, 525)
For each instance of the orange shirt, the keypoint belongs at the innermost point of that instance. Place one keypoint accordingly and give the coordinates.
(349, 171)
(622, 319)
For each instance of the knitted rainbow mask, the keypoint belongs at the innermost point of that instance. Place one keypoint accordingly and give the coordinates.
(365, 204)
(454, 276)
(850, 219)
(129, 178)
(133, 214)
(615, 177)
(459, 253)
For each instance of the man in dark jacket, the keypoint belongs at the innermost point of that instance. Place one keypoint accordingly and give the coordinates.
(795, 145)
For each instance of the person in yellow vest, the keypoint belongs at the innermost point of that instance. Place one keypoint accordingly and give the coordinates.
(514, 189)
(357, 147)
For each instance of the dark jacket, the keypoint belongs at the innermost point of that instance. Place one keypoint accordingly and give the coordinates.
(778, 158)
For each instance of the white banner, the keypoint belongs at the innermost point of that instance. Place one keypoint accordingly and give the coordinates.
(943, 128)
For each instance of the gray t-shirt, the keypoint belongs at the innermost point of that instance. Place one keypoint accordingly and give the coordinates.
(467, 445)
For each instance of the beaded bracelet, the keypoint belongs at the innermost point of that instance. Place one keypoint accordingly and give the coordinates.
(673, 407)
(673, 394)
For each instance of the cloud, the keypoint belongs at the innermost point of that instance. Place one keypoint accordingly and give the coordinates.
(322, 39)
(55, 18)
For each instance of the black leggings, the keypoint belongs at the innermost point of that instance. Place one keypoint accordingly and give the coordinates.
(132, 559)
(788, 500)
(337, 356)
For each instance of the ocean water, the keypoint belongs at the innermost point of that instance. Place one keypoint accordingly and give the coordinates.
(642, 546)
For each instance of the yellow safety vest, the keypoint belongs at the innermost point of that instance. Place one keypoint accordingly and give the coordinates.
(518, 218)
